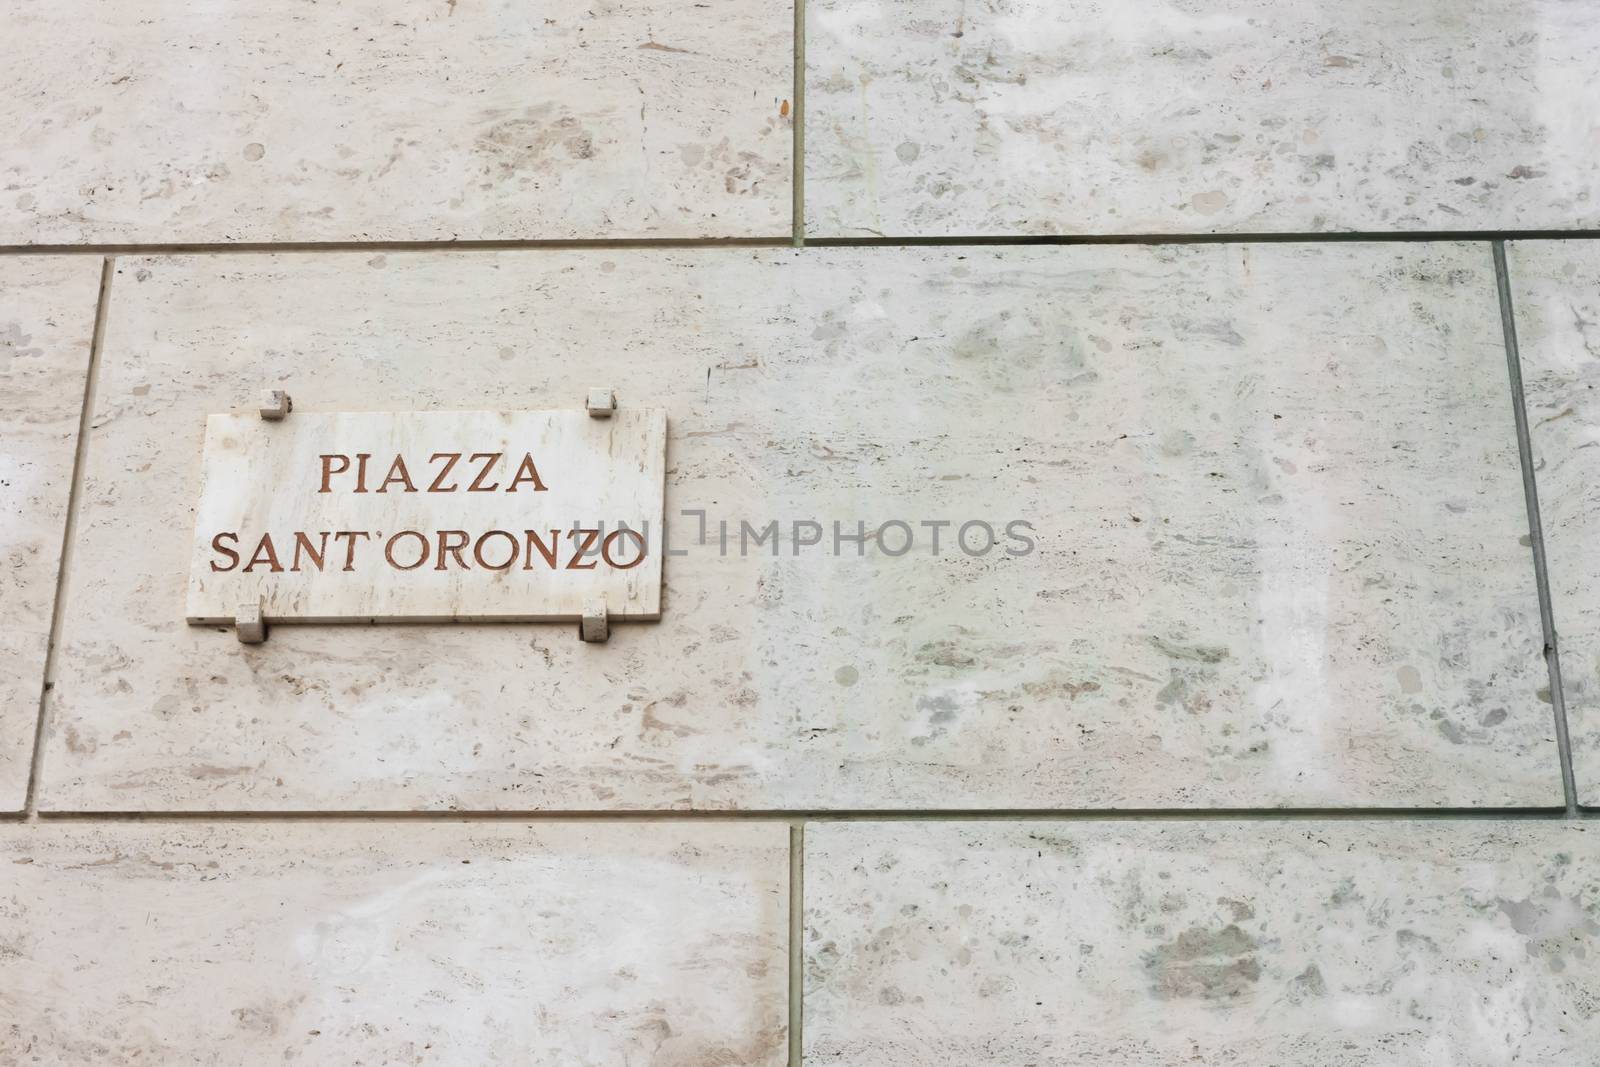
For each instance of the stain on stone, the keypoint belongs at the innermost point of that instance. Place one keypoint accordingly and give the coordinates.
(1556, 926)
(941, 711)
(77, 744)
(1344, 893)
(211, 770)
(1204, 964)
(1056, 843)
(1215, 329)
(1308, 983)
(1241, 910)
(14, 343)
(1172, 692)
(944, 654)
(1177, 443)
(254, 151)
(1192, 653)
(846, 675)
(1411, 939)
(1410, 679)
(1549, 915)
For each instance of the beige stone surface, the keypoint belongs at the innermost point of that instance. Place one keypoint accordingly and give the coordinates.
(47, 307)
(349, 942)
(1556, 294)
(944, 117)
(1296, 944)
(1279, 538)
(182, 121)
(430, 516)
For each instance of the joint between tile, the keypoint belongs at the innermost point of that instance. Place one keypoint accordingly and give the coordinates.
(1530, 491)
(798, 180)
(797, 921)
(68, 528)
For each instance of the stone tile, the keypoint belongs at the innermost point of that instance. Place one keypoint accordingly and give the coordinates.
(354, 942)
(1274, 494)
(940, 117)
(1299, 944)
(47, 307)
(375, 120)
(1556, 293)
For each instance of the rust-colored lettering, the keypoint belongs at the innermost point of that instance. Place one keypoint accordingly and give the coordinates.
(329, 470)
(361, 471)
(302, 543)
(438, 482)
(397, 473)
(477, 485)
(526, 472)
(266, 554)
(605, 549)
(547, 550)
(224, 550)
(449, 543)
(422, 556)
(576, 562)
(349, 537)
(477, 551)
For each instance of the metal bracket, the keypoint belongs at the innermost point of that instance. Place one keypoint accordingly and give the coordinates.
(248, 625)
(595, 625)
(602, 404)
(275, 404)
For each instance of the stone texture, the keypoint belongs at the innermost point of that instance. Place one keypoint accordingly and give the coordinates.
(1556, 293)
(1345, 944)
(368, 120)
(47, 307)
(942, 117)
(352, 942)
(1274, 492)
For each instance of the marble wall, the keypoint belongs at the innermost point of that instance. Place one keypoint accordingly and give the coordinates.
(1266, 731)
(954, 118)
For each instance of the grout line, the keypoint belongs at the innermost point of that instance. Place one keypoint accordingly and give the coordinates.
(1530, 492)
(666, 243)
(799, 117)
(498, 245)
(842, 815)
(1286, 237)
(797, 925)
(68, 530)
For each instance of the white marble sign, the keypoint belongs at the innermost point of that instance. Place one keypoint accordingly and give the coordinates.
(430, 516)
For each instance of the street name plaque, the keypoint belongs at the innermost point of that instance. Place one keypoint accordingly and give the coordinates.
(430, 516)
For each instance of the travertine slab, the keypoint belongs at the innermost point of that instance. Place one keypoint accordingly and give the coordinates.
(47, 309)
(430, 516)
(172, 121)
(944, 117)
(1278, 527)
(1556, 293)
(1346, 944)
(351, 942)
